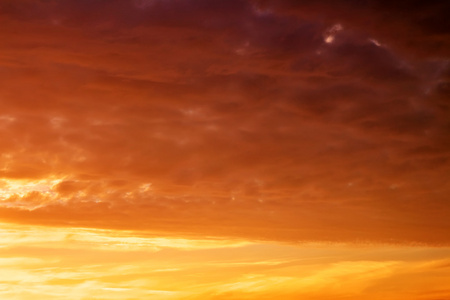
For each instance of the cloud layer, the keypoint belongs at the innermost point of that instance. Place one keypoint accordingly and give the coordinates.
(262, 119)
(80, 264)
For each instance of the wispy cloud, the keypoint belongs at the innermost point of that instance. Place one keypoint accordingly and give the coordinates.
(104, 264)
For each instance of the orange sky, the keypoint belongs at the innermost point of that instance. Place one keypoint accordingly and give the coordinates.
(249, 149)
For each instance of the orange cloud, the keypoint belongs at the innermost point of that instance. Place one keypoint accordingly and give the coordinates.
(226, 118)
(107, 264)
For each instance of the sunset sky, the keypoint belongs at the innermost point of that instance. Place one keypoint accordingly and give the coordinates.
(224, 149)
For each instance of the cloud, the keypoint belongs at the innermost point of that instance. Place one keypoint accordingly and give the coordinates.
(110, 264)
(238, 117)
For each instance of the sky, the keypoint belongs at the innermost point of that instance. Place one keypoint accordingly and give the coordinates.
(226, 149)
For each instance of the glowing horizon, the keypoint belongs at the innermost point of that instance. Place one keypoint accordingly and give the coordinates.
(107, 264)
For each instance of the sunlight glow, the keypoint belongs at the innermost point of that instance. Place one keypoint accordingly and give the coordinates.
(41, 262)
(20, 188)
